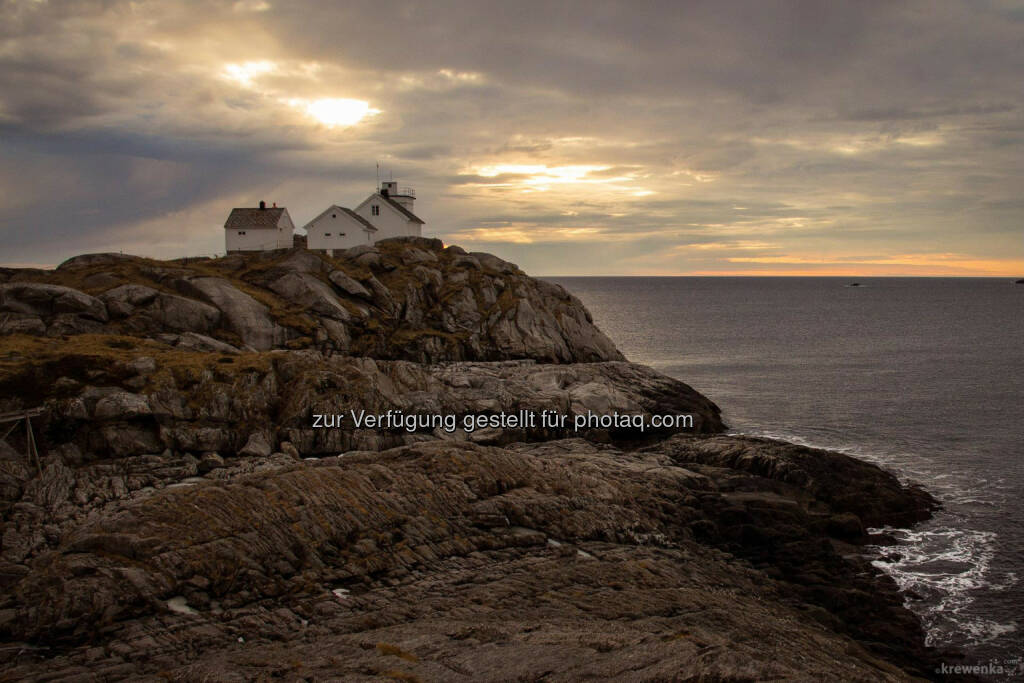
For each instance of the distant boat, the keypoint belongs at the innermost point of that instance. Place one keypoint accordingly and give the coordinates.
(1021, 281)
(854, 284)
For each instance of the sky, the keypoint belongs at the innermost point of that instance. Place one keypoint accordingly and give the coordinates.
(573, 138)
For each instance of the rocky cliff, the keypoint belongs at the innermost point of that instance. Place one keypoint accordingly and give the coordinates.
(188, 521)
(408, 299)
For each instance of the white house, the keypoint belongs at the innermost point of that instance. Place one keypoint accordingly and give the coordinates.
(389, 209)
(259, 229)
(338, 228)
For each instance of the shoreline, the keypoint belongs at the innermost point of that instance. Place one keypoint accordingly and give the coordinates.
(184, 503)
(908, 549)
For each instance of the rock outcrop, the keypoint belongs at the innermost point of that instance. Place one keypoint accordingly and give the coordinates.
(206, 508)
(407, 298)
(560, 558)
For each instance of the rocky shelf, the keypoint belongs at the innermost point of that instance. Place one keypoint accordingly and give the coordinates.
(190, 523)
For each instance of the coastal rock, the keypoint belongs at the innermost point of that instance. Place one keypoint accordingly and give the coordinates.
(450, 547)
(402, 298)
(368, 257)
(131, 294)
(191, 341)
(257, 446)
(121, 440)
(302, 261)
(374, 547)
(210, 461)
(42, 300)
(494, 263)
(21, 323)
(244, 315)
(196, 438)
(849, 485)
(381, 295)
(282, 392)
(181, 314)
(99, 259)
(69, 324)
(142, 365)
(312, 293)
(121, 405)
(348, 285)
(101, 280)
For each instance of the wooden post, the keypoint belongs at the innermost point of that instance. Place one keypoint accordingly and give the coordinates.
(31, 445)
(31, 448)
(8, 432)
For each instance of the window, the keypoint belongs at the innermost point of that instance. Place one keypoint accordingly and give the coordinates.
(334, 215)
(241, 232)
(375, 210)
(327, 234)
(341, 234)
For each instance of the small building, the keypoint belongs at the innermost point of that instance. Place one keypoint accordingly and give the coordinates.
(389, 209)
(258, 229)
(338, 228)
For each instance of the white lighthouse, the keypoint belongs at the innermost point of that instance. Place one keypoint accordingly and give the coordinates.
(389, 209)
(405, 196)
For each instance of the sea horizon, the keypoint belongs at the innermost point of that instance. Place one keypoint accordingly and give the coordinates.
(832, 277)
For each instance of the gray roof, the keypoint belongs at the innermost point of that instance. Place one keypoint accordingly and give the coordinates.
(366, 224)
(334, 208)
(405, 212)
(254, 218)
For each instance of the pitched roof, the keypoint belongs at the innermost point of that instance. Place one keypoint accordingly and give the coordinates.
(254, 218)
(367, 225)
(405, 212)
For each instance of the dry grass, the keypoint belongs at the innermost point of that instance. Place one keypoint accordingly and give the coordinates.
(30, 365)
(387, 649)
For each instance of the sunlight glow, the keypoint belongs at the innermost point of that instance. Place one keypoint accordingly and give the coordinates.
(543, 174)
(464, 76)
(735, 245)
(527, 234)
(918, 264)
(853, 145)
(245, 72)
(333, 112)
(540, 177)
(442, 79)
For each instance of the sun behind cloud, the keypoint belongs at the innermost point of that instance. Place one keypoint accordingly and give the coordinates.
(335, 111)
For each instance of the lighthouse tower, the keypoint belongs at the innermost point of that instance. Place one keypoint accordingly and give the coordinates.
(390, 211)
(405, 196)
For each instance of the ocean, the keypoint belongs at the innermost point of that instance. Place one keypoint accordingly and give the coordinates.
(922, 376)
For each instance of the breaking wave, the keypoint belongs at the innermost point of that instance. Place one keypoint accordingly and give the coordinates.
(942, 566)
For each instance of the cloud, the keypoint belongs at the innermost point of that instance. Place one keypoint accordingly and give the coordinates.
(674, 136)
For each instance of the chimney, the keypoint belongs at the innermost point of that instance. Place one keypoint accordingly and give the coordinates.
(263, 204)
